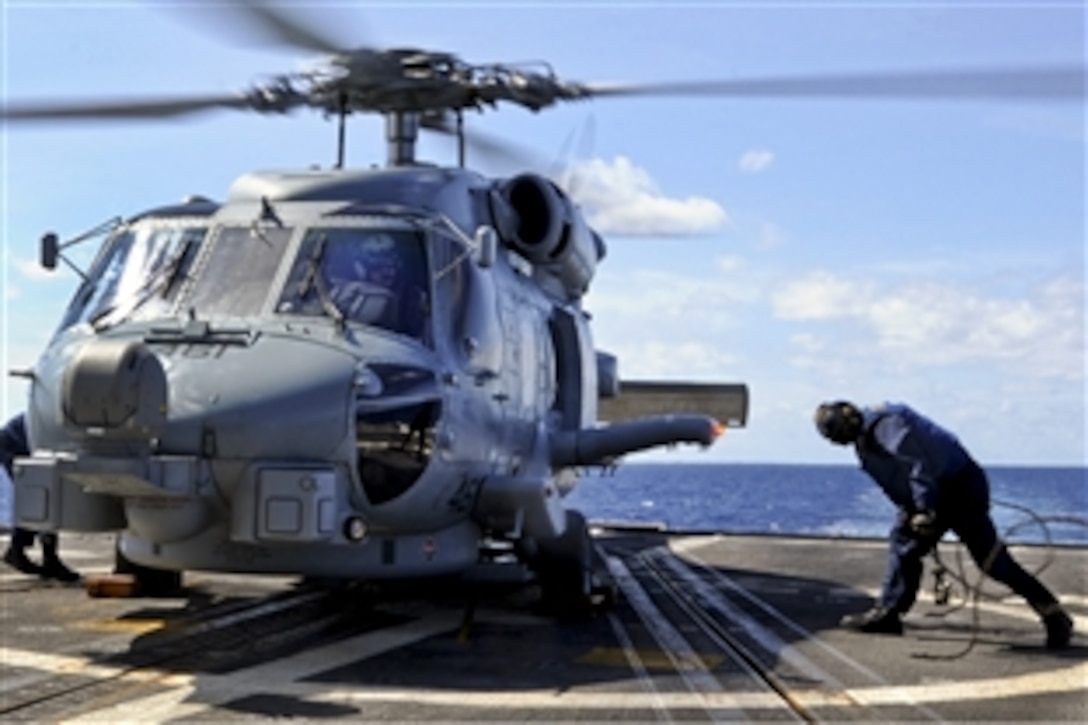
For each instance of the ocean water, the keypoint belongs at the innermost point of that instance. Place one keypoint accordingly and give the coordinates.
(1031, 505)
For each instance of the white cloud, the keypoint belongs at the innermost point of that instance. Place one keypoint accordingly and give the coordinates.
(962, 353)
(656, 360)
(808, 342)
(31, 270)
(729, 263)
(669, 325)
(822, 295)
(925, 324)
(754, 161)
(621, 198)
(670, 299)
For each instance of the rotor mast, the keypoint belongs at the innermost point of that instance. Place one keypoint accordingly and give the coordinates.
(401, 134)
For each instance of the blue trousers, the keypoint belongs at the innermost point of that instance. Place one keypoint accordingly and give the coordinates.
(963, 506)
(21, 539)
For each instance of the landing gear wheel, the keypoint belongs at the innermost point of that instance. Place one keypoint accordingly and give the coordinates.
(148, 581)
(564, 570)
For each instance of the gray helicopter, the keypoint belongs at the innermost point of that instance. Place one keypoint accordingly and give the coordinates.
(364, 374)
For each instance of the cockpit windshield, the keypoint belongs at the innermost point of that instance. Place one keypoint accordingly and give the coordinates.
(375, 277)
(138, 276)
(237, 275)
(364, 275)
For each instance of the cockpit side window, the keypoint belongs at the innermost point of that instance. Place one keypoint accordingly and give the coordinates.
(139, 275)
(369, 276)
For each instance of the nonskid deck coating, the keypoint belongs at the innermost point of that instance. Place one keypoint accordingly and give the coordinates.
(776, 598)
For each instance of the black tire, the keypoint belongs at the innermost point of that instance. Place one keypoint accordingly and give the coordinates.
(149, 581)
(564, 570)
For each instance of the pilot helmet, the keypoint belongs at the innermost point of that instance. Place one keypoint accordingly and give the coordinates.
(839, 421)
(380, 259)
(343, 261)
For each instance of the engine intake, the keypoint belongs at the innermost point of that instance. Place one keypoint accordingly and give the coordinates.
(536, 219)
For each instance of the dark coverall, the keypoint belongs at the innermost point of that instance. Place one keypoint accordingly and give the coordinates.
(924, 468)
(13, 443)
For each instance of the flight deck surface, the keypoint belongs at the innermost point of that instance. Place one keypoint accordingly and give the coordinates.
(704, 627)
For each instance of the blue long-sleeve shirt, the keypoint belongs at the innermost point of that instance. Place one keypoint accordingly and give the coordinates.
(13, 441)
(908, 455)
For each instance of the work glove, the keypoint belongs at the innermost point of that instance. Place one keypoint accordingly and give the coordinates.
(924, 524)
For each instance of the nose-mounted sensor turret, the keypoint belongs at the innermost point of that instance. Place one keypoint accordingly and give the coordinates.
(115, 390)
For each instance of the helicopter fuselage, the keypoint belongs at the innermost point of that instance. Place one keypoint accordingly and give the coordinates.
(338, 373)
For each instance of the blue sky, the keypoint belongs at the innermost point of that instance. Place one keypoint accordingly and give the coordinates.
(930, 252)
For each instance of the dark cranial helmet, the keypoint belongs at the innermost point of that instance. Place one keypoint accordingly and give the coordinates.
(381, 259)
(840, 422)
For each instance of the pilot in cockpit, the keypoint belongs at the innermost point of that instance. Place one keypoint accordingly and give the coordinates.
(362, 276)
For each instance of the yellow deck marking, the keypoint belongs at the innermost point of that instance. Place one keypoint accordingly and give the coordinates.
(651, 659)
(56, 664)
(126, 626)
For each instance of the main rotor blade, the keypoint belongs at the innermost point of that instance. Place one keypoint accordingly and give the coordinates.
(258, 22)
(1043, 83)
(492, 149)
(122, 109)
(278, 26)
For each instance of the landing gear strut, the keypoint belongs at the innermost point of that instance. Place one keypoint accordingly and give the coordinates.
(564, 570)
(147, 581)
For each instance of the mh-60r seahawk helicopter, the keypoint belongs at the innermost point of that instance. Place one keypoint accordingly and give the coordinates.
(363, 374)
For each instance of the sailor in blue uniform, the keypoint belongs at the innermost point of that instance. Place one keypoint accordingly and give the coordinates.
(13, 442)
(937, 487)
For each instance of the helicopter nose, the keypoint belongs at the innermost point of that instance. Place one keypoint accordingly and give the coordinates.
(115, 389)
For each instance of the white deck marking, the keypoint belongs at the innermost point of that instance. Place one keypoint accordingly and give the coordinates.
(1012, 607)
(635, 663)
(1068, 679)
(208, 691)
(170, 705)
(556, 700)
(1009, 606)
(1073, 678)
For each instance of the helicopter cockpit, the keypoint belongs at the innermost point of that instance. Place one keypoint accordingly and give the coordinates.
(370, 276)
(154, 269)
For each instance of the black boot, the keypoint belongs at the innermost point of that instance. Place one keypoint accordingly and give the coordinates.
(1059, 627)
(55, 569)
(16, 558)
(52, 566)
(878, 620)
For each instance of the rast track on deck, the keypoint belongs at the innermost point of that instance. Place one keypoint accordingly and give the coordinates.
(690, 638)
(231, 637)
(720, 681)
